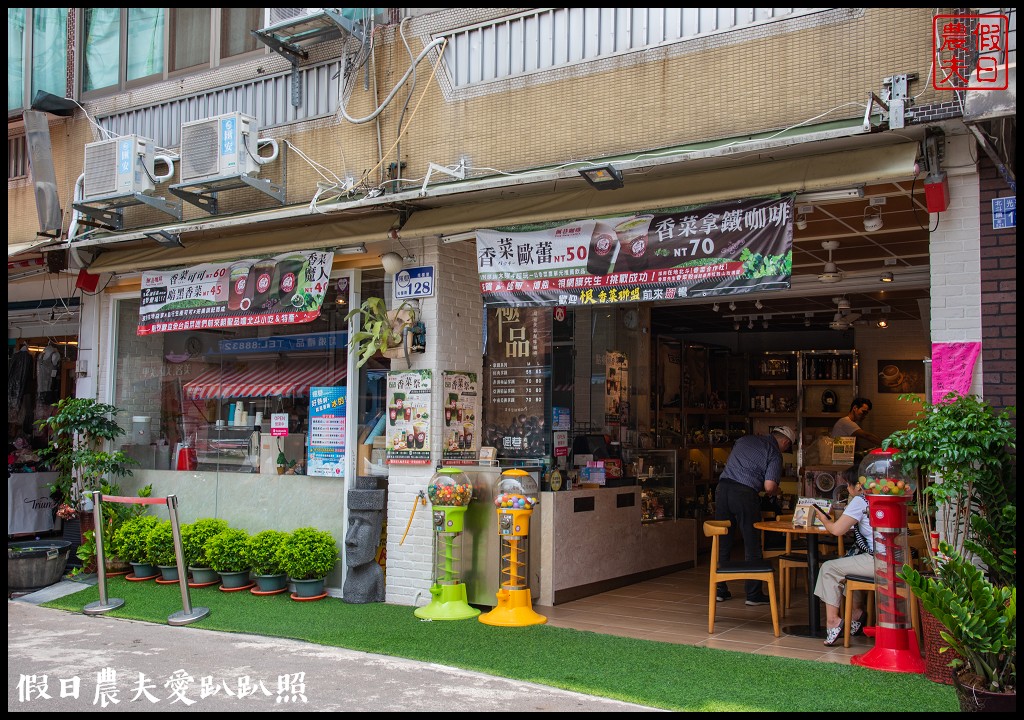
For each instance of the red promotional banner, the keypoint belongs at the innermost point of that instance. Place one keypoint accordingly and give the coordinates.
(282, 290)
(718, 249)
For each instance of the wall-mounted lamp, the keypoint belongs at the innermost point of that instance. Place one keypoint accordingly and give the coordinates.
(715, 307)
(825, 195)
(392, 262)
(886, 277)
(732, 306)
(605, 177)
(758, 304)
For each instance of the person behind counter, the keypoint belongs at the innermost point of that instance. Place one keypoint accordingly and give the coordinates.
(829, 586)
(849, 425)
(755, 464)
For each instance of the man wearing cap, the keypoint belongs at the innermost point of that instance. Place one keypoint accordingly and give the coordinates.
(755, 464)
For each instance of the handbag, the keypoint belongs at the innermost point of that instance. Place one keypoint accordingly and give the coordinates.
(860, 545)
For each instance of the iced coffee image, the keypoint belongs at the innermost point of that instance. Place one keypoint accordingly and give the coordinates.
(604, 247)
(632, 236)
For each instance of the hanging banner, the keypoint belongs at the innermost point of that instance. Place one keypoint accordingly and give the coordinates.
(460, 436)
(616, 388)
(326, 432)
(408, 428)
(282, 290)
(952, 368)
(724, 248)
(517, 362)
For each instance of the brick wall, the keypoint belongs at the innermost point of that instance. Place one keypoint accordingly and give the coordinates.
(998, 293)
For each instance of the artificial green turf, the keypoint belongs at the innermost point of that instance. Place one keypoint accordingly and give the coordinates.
(663, 675)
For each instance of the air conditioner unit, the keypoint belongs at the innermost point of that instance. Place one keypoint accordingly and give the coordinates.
(274, 16)
(222, 146)
(118, 167)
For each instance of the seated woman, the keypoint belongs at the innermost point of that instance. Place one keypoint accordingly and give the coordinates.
(829, 586)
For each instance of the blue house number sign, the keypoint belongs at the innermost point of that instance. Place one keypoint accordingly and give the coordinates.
(414, 282)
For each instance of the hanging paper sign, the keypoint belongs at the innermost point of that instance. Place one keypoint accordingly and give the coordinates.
(279, 424)
(408, 425)
(723, 248)
(326, 432)
(461, 435)
(282, 290)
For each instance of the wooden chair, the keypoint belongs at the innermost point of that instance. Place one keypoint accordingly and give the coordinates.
(735, 570)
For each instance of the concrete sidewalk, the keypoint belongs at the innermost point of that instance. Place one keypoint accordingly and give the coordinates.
(186, 669)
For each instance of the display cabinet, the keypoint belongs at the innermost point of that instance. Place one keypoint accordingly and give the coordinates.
(229, 448)
(828, 382)
(655, 473)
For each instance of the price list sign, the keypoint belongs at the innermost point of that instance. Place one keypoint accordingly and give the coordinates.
(327, 431)
(518, 363)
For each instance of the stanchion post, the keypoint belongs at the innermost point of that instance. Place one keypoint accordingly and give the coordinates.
(103, 605)
(187, 614)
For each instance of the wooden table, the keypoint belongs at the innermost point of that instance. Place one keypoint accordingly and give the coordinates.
(813, 626)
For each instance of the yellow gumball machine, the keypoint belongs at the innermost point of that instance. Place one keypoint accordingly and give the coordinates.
(515, 495)
(450, 492)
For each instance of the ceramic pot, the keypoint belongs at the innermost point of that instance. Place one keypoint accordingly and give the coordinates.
(308, 588)
(204, 575)
(143, 570)
(270, 583)
(168, 572)
(234, 579)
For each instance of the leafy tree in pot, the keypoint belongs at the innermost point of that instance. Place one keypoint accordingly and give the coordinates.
(308, 554)
(226, 550)
(160, 544)
(261, 553)
(131, 538)
(194, 537)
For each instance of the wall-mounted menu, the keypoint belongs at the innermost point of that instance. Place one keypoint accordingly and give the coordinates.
(460, 436)
(408, 424)
(518, 362)
(327, 431)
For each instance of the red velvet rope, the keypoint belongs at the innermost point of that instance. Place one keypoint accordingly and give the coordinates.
(134, 500)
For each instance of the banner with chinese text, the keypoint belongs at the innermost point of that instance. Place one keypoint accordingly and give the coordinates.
(723, 248)
(281, 290)
(517, 365)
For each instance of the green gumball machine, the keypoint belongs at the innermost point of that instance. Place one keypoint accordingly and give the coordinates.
(450, 492)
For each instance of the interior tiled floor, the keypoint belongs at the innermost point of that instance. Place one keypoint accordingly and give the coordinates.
(674, 608)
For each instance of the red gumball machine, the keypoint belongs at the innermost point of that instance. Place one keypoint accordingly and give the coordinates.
(516, 492)
(888, 490)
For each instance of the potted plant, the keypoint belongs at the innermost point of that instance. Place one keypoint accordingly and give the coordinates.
(160, 549)
(979, 621)
(130, 540)
(262, 556)
(194, 537)
(307, 556)
(77, 432)
(226, 552)
(381, 330)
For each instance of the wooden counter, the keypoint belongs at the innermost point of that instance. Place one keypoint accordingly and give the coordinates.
(593, 540)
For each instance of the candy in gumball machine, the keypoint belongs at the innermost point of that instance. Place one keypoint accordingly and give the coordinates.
(888, 490)
(450, 492)
(516, 492)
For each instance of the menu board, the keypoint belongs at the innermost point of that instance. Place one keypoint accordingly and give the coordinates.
(327, 431)
(518, 362)
(460, 435)
(408, 424)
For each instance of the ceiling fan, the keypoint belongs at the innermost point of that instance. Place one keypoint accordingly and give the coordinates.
(844, 317)
(830, 273)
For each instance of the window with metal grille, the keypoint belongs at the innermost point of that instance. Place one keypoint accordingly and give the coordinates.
(17, 158)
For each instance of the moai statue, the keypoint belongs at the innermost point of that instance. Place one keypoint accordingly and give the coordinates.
(364, 581)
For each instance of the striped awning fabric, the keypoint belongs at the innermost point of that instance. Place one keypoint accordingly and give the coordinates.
(262, 379)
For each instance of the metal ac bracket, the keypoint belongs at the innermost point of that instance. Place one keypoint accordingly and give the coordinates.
(106, 212)
(894, 103)
(459, 173)
(205, 197)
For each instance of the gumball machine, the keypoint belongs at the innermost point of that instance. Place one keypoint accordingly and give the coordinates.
(449, 491)
(888, 490)
(516, 492)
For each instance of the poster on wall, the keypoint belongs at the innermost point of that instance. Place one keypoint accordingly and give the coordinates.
(517, 363)
(953, 367)
(408, 425)
(460, 435)
(281, 290)
(722, 248)
(901, 376)
(616, 387)
(326, 444)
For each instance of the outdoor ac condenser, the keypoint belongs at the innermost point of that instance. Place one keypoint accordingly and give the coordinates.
(118, 167)
(218, 147)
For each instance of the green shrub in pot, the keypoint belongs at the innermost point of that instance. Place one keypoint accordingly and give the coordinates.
(262, 552)
(226, 550)
(194, 537)
(308, 554)
(131, 537)
(160, 544)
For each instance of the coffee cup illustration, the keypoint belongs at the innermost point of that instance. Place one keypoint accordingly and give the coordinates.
(604, 246)
(238, 278)
(632, 235)
(891, 375)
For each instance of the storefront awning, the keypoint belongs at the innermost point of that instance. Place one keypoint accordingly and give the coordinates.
(264, 379)
(749, 179)
(350, 231)
(32, 246)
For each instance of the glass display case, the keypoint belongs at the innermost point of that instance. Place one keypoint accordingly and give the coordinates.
(230, 449)
(655, 473)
